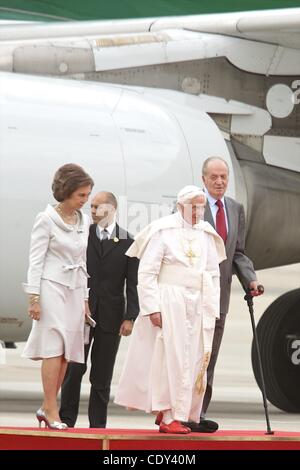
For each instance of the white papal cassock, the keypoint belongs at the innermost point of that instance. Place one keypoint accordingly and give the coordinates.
(165, 368)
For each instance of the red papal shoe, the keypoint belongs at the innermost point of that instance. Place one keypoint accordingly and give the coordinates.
(159, 418)
(175, 427)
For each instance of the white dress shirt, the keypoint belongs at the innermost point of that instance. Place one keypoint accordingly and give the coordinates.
(110, 228)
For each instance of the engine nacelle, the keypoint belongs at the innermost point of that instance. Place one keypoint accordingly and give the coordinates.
(141, 147)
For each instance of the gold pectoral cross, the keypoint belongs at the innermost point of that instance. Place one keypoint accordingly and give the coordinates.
(190, 254)
(187, 245)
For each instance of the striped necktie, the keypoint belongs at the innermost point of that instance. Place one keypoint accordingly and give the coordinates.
(104, 235)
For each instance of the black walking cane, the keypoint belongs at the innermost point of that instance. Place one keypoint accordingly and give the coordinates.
(249, 299)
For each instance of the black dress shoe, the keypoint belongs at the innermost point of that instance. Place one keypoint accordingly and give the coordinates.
(205, 425)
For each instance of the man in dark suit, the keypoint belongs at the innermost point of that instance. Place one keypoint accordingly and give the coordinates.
(228, 218)
(109, 268)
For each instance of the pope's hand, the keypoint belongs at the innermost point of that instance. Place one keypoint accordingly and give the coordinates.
(156, 319)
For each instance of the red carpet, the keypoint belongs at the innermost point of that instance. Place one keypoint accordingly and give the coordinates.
(138, 439)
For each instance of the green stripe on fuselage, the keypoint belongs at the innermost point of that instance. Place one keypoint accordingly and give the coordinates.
(61, 10)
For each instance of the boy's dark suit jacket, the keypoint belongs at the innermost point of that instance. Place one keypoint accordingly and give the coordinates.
(109, 269)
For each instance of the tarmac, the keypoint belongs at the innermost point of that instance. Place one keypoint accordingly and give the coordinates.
(237, 400)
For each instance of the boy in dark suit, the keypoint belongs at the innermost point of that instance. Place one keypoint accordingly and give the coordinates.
(109, 268)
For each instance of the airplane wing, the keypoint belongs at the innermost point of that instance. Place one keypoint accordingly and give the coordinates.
(265, 42)
(280, 26)
(138, 52)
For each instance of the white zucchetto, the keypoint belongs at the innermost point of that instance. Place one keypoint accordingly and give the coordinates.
(188, 193)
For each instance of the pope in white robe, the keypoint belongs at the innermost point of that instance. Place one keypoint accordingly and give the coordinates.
(179, 293)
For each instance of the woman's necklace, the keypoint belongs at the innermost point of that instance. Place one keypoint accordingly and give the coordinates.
(69, 219)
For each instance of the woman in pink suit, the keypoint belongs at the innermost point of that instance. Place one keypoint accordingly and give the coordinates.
(57, 285)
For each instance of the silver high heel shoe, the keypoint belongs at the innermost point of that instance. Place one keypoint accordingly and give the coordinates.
(41, 416)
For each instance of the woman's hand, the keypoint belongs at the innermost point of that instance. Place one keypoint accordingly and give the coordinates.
(156, 319)
(34, 310)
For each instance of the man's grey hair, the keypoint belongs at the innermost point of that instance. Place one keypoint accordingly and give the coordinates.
(212, 159)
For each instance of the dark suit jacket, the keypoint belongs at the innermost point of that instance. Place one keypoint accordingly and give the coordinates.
(237, 262)
(108, 272)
